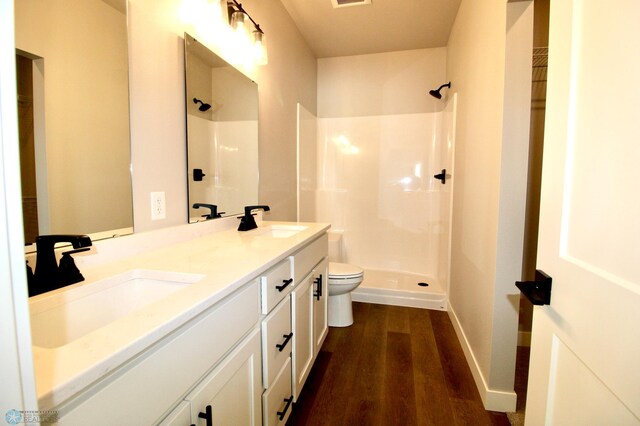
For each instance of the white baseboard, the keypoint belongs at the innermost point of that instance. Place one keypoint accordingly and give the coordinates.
(493, 400)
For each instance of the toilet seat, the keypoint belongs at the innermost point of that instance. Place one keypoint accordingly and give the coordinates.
(344, 271)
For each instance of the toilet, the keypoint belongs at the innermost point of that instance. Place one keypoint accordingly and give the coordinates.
(343, 279)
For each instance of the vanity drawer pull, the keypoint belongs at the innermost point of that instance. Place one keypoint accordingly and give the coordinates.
(282, 413)
(285, 284)
(282, 345)
(208, 415)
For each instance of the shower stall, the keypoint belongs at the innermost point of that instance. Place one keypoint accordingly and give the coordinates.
(367, 165)
(374, 182)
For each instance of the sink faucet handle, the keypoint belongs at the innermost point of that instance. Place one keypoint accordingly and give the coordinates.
(68, 271)
(47, 274)
(247, 222)
(249, 209)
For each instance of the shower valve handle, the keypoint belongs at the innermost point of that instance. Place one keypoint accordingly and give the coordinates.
(442, 176)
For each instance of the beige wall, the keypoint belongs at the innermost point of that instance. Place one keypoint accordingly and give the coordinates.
(157, 105)
(79, 43)
(382, 83)
(488, 70)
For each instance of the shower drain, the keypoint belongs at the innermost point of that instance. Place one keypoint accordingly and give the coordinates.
(423, 284)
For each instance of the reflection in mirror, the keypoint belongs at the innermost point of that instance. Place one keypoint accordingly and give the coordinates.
(222, 134)
(73, 105)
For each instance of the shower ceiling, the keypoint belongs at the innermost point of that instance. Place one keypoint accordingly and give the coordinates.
(382, 26)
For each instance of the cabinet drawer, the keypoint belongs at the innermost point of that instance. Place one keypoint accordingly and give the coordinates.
(305, 259)
(276, 341)
(160, 376)
(277, 402)
(275, 284)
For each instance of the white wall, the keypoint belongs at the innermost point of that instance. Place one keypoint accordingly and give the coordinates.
(307, 164)
(157, 105)
(487, 64)
(378, 148)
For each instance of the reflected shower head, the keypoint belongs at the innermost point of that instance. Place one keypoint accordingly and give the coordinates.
(203, 107)
(436, 93)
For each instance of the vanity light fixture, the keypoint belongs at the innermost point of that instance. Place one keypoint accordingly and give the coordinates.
(237, 20)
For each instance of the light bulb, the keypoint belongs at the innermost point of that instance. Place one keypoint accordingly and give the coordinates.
(260, 48)
(237, 21)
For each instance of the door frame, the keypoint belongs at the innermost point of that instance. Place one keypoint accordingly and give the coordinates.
(16, 358)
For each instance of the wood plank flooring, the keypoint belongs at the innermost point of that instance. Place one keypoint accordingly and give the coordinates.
(394, 366)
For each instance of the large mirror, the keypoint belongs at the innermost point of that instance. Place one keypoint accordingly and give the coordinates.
(73, 105)
(222, 133)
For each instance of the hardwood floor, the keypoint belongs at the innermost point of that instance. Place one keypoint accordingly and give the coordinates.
(393, 366)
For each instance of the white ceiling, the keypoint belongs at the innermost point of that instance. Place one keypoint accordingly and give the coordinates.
(382, 26)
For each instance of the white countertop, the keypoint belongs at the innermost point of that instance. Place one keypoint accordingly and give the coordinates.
(227, 259)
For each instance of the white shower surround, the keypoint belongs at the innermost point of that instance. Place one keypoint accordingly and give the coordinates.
(228, 159)
(376, 186)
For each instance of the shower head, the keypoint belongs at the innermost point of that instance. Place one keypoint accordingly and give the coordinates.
(436, 93)
(203, 107)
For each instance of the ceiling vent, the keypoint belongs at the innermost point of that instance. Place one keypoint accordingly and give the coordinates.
(347, 3)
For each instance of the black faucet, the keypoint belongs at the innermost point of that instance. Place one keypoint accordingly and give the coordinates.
(247, 222)
(214, 210)
(48, 275)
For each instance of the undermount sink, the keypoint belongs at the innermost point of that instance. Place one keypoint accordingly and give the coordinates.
(280, 231)
(64, 317)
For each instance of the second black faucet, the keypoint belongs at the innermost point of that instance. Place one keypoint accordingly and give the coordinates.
(247, 222)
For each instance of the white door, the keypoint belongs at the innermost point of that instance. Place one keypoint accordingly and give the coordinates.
(585, 359)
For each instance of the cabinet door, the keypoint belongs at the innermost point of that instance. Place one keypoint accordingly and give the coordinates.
(302, 326)
(180, 416)
(230, 394)
(321, 296)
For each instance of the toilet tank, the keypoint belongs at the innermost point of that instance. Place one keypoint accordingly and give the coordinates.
(335, 246)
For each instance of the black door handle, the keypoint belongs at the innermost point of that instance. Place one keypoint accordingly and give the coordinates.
(539, 291)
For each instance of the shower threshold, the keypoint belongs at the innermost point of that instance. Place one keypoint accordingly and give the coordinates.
(400, 289)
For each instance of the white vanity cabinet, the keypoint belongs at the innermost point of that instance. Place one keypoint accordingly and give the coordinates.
(291, 331)
(241, 359)
(277, 339)
(143, 390)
